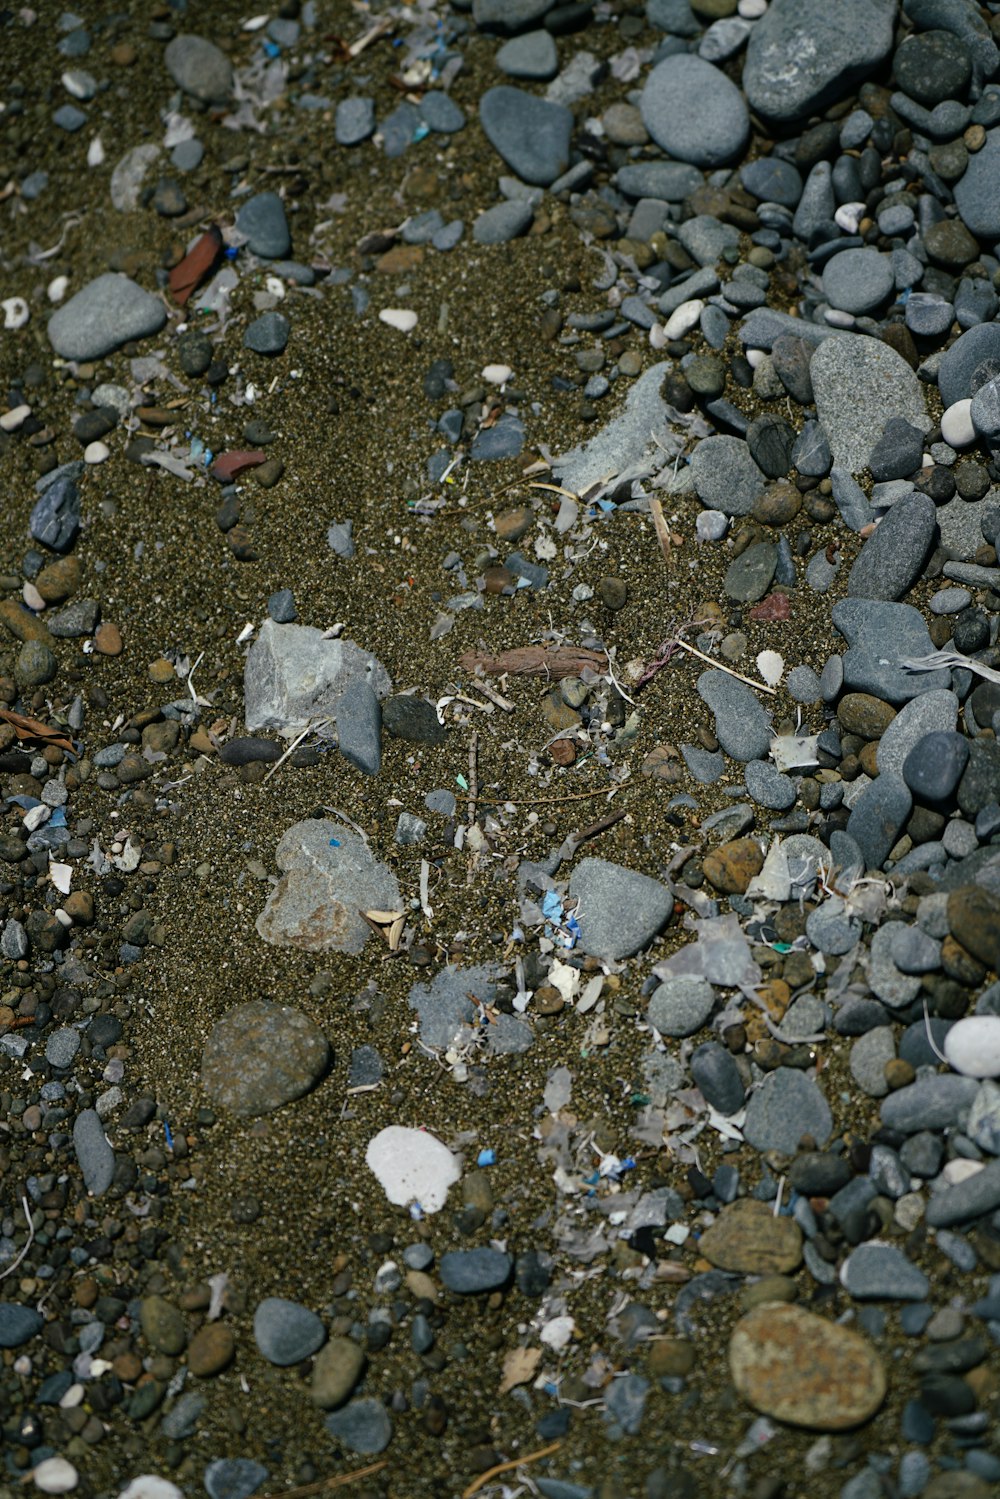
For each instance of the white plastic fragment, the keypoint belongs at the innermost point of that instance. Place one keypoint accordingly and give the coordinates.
(795, 751)
(557, 1333)
(275, 286)
(412, 1166)
(403, 318)
(256, 23)
(683, 318)
(771, 667)
(95, 152)
(15, 418)
(497, 374)
(57, 288)
(972, 1046)
(61, 876)
(956, 425)
(848, 216)
(15, 312)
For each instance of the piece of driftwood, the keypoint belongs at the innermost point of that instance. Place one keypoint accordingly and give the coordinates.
(554, 662)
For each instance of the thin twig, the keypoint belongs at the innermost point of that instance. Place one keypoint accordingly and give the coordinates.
(350, 822)
(557, 801)
(660, 525)
(473, 776)
(758, 686)
(326, 1484)
(31, 1237)
(494, 696)
(507, 1467)
(570, 845)
(294, 746)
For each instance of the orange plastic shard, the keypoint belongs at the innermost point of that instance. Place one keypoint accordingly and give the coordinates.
(228, 465)
(196, 265)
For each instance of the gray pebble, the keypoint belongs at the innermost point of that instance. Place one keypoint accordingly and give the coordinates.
(286, 1332)
(680, 1006)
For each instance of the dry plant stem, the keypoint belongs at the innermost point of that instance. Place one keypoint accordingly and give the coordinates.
(294, 746)
(473, 776)
(557, 801)
(572, 843)
(757, 686)
(508, 1467)
(494, 696)
(660, 525)
(324, 1485)
(31, 1238)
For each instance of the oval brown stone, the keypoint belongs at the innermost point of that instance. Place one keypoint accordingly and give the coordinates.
(211, 1349)
(732, 867)
(748, 1238)
(804, 1370)
(862, 714)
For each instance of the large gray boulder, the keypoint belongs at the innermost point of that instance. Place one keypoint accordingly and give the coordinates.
(295, 677)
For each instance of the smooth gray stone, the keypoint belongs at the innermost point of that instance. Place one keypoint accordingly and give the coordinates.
(898, 452)
(262, 219)
(962, 20)
(869, 1056)
(286, 1332)
(893, 557)
(706, 766)
(858, 281)
(772, 180)
(786, 1106)
(359, 728)
(441, 114)
(507, 17)
(694, 112)
(749, 577)
(933, 767)
(673, 16)
(928, 315)
(620, 910)
(470, 1272)
(673, 181)
(503, 222)
(18, 1324)
(768, 786)
(354, 121)
(363, 1426)
(109, 311)
(267, 334)
(881, 1272)
(94, 1155)
(811, 453)
(200, 68)
(831, 928)
(717, 1077)
(294, 677)
(856, 381)
(532, 56)
(934, 1102)
(975, 192)
(681, 1005)
(804, 686)
(972, 361)
(932, 712)
(742, 725)
(702, 283)
(530, 134)
(725, 476)
(855, 511)
(887, 982)
(706, 239)
(233, 1478)
(972, 1198)
(985, 412)
(817, 205)
(765, 324)
(879, 634)
(803, 56)
(504, 439)
(879, 816)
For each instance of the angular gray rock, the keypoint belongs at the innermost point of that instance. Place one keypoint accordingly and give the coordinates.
(359, 728)
(970, 362)
(881, 1272)
(109, 311)
(620, 911)
(621, 444)
(725, 476)
(329, 875)
(285, 1331)
(742, 725)
(879, 816)
(934, 712)
(694, 111)
(934, 1102)
(262, 1055)
(879, 635)
(294, 677)
(804, 54)
(856, 381)
(894, 555)
(530, 134)
(786, 1106)
(972, 1198)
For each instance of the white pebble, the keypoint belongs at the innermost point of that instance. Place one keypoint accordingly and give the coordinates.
(848, 216)
(754, 357)
(657, 337)
(32, 597)
(711, 525)
(15, 418)
(956, 425)
(497, 374)
(838, 319)
(96, 452)
(15, 312)
(54, 1475)
(751, 10)
(771, 667)
(412, 1166)
(959, 1170)
(57, 288)
(402, 318)
(95, 152)
(684, 318)
(150, 1486)
(972, 1046)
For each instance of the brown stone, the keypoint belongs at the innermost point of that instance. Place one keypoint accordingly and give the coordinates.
(899, 1073)
(780, 503)
(211, 1349)
(22, 624)
(959, 964)
(80, 907)
(748, 1238)
(868, 758)
(399, 259)
(974, 920)
(108, 639)
(664, 763)
(557, 714)
(241, 543)
(511, 525)
(670, 1357)
(268, 474)
(804, 1369)
(123, 54)
(201, 743)
(732, 867)
(59, 580)
(161, 672)
(563, 752)
(864, 715)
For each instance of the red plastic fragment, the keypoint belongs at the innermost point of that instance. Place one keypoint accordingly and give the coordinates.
(228, 465)
(775, 606)
(196, 265)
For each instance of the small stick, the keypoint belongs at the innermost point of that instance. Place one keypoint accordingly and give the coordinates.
(662, 530)
(326, 1484)
(494, 696)
(572, 843)
(758, 686)
(557, 801)
(514, 1462)
(473, 776)
(31, 1237)
(294, 746)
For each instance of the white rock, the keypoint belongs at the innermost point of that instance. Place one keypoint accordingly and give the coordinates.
(972, 1046)
(771, 667)
(412, 1166)
(32, 597)
(403, 318)
(149, 1486)
(15, 418)
(54, 1475)
(959, 1170)
(95, 152)
(755, 356)
(848, 216)
(838, 319)
(657, 337)
(684, 318)
(497, 374)
(15, 312)
(751, 10)
(57, 288)
(96, 452)
(956, 425)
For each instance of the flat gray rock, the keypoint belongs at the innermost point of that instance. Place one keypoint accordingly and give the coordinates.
(200, 68)
(725, 476)
(329, 875)
(879, 634)
(18, 1324)
(930, 1103)
(354, 121)
(856, 381)
(930, 713)
(975, 192)
(509, 16)
(681, 1005)
(742, 725)
(879, 816)
(260, 1056)
(881, 1272)
(294, 677)
(620, 911)
(530, 134)
(671, 181)
(858, 281)
(972, 361)
(804, 55)
(623, 442)
(972, 1198)
(893, 557)
(94, 1155)
(109, 311)
(363, 1426)
(694, 111)
(532, 56)
(786, 1106)
(359, 728)
(286, 1332)
(262, 219)
(472, 1271)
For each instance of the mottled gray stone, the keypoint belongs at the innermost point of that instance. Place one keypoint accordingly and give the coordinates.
(879, 816)
(200, 68)
(894, 555)
(286, 1332)
(802, 56)
(932, 712)
(742, 725)
(881, 1272)
(620, 911)
(725, 476)
(934, 1102)
(294, 677)
(109, 311)
(694, 112)
(681, 1005)
(94, 1155)
(786, 1106)
(329, 873)
(856, 381)
(260, 1056)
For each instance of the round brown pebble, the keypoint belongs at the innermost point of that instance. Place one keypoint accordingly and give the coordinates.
(732, 867)
(748, 1238)
(974, 138)
(161, 672)
(613, 592)
(59, 580)
(780, 503)
(108, 639)
(670, 1357)
(899, 1073)
(123, 54)
(563, 751)
(864, 715)
(804, 1369)
(211, 1349)
(768, 1288)
(79, 907)
(127, 1367)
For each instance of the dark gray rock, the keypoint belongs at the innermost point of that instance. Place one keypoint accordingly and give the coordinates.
(858, 281)
(693, 111)
(55, 518)
(969, 1199)
(786, 1106)
(671, 181)
(749, 577)
(470, 1272)
(717, 1077)
(18, 1324)
(772, 180)
(931, 711)
(878, 818)
(267, 334)
(260, 1056)
(975, 193)
(530, 134)
(934, 1102)
(802, 57)
(879, 634)
(286, 1332)
(504, 221)
(971, 361)
(811, 454)
(262, 219)
(898, 452)
(414, 719)
(742, 725)
(508, 17)
(109, 311)
(359, 728)
(94, 1155)
(233, 1478)
(619, 910)
(200, 68)
(768, 786)
(363, 1426)
(893, 557)
(531, 56)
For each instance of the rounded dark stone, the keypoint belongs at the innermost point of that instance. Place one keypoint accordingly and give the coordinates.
(771, 439)
(933, 66)
(717, 1076)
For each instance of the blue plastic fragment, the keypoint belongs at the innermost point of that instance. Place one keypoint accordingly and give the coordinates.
(272, 49)
(168, 1136)
(486, 1158)
(334, 842)
(58, 818)
(231, 252)
(552, 906)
